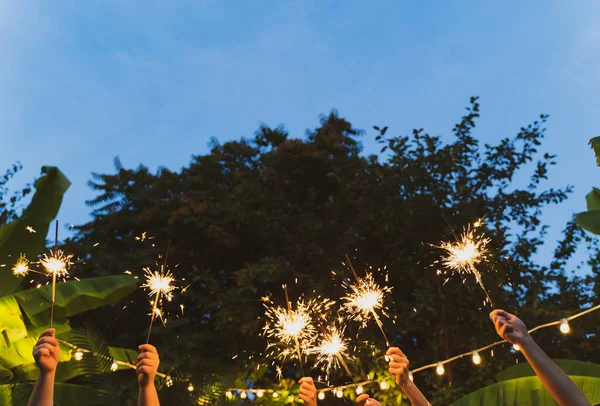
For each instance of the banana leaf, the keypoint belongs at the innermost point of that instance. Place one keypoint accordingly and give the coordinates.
(14, 236)
(595, 143)
(73, 297)
(570, 367)
(526, 391)
(65, 394)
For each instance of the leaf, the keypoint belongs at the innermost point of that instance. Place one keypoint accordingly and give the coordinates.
(589, 220)
(570, 367)
(593, 199)
(64, 394)
(526, 391)
(73, 297)
(14, 237)
(595, 143)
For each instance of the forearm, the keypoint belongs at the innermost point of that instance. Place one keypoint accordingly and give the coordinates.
(560, 386)
(43, 391)
(414, 394)
(148, 396)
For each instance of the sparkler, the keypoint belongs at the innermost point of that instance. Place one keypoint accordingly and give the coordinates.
(159, 283)
(292, 329)
(364, 298)
(21, 268)
(331, 350)
(56, 265)
(469, 250)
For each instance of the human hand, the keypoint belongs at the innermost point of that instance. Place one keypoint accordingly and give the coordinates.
(147, 365)
(308, 391)
(509, 327)
(46, 352)
(398, 365)
(365, 400)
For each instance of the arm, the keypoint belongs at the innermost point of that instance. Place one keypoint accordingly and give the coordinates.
(399, 369)
(146, 368)
(46, 354)
(560, 386)
(308, 391)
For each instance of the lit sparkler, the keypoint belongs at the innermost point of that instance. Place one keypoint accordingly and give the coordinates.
(21, 268)
(469, 250)
(331, 350)
(292, 328)
(159, 283)
(364, 298)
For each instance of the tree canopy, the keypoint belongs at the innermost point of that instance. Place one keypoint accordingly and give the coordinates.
(257, 213)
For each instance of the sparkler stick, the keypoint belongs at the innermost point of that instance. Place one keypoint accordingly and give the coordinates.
(369, 299)
(54, 275)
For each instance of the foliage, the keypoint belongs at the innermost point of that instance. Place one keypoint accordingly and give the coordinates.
(590, 220)
(256, 213)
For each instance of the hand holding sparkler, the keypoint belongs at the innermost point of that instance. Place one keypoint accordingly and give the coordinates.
(308, 391)
(398, 363)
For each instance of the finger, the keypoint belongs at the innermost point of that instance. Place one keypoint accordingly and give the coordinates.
(147, 362)
(41, 352)
(306, 392)
(399, 358)
(306, 379)
(506, 329)
(145, 370)
(395, 350)
(148, 348)
(499, 322)
(362, 399)
(48, 333)
(147, 355)
(48, 340)
(48, 347)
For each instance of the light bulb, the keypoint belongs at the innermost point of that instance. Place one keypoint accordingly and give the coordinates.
(516, 347)
(78, 355)
(387, 358)
(190, 387)
(243, 395)
(228, 394)
(260, 393)
(440, 369)
(410, 376)
(564, 326)
(476, 358)
(359, 389)
(339, 393)
(275, 394)
(114, 366)
(169, 382)
(321, 395)
(383, 385)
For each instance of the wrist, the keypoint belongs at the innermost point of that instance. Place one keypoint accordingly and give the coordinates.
(147, 384)
(47, 374)
(526, 342)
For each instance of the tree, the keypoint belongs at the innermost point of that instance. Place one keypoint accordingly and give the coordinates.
(256, 213)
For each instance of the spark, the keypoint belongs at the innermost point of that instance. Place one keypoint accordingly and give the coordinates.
(30, 229)
(57, 264)
(21, 268)
(331, 350)
(469, 250)
(159, 283)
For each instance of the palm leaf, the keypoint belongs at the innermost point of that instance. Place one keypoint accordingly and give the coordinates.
(14, 237)
(570, 367)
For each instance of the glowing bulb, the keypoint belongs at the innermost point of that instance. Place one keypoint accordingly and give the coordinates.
(190, 387)
(339, 393)
(564, 326)
(383, 385)
(476, 358)
(440, 369)
(321, 395)
(410, 376)
(228, 394)
(243, 395)
(516, 347)
(169, 382)
(359, 389)
(260, 393)
(114, 366)
(275, 394)
(78, 355)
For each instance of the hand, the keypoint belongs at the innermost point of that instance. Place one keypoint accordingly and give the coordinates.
(147, 365)
(509, 327)
(47, 352)
(365, 400)
(398, 365)
(308, 391)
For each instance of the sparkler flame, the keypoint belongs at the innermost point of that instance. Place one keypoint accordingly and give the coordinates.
(364, 298)
(159, 283)
(57, 264)
(331, 350)
(21, 267)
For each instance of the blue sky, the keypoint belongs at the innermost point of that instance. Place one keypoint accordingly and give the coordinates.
(150, 81)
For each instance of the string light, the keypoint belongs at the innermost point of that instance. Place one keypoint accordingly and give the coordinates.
(476, 358)
(564, 326)
(410, 376)
(339, 393)
(190, 387)
(321, 395)
(260, 393)
(114, 366)
(78, 355)
(516, 347)
(228, 394)
(243, 395)
(275, 394)
(440, 369)
(169, 381)
(359, 389)
(383, 385)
